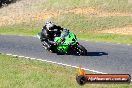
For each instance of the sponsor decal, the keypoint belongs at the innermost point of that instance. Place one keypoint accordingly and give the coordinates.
(83, 78)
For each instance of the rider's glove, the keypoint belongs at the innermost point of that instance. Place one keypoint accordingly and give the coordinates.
(64, 29)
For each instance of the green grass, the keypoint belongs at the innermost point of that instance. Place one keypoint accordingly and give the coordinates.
(20, 29)
(114, 38)
(25, 73)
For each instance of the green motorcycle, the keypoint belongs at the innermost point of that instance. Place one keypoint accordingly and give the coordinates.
(67, 43)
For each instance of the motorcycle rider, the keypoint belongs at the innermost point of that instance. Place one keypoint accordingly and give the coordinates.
(47, 34)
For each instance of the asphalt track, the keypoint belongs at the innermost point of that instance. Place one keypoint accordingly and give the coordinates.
(103, 57)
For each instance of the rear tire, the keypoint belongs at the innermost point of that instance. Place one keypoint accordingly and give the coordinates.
(80, 50)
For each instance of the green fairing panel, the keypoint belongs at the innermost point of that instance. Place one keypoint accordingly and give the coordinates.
(68, 40)
(57, 39)
(62, 48)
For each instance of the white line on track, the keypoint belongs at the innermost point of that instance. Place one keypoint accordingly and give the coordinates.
(15, 55)
(48, 61)
(32, 58)
(55, 63)
(21, 56)
(9, 54)
(27, 57)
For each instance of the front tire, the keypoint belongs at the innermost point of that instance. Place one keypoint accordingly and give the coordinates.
(80, 50)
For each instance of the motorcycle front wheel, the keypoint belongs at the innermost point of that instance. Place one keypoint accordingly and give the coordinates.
(80, 50)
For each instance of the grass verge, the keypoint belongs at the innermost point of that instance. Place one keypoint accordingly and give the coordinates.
(114, 38)
(25, 73)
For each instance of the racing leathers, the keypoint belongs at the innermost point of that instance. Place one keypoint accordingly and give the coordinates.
(47, 36)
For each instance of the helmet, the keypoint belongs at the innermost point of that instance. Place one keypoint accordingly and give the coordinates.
(49, 25)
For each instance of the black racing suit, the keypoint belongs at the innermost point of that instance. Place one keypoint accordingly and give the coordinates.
(48, 36)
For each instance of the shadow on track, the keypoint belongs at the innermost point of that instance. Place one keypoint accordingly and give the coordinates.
(96, 53)
(89, 54)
